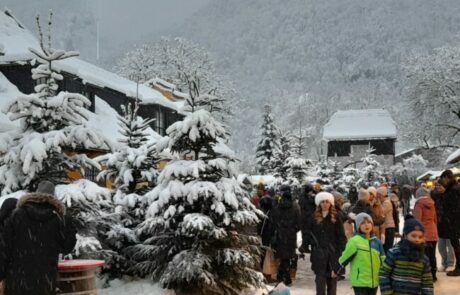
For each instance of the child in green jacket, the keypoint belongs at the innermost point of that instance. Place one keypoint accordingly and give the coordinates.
(365, 252)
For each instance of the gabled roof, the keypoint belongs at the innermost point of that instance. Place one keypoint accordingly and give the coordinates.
(16, 41)
(360, 125)
(429, 175)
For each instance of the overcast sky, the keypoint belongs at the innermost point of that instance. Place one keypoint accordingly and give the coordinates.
(122, 23)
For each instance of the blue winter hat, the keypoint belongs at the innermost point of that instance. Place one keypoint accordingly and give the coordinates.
(411, 224)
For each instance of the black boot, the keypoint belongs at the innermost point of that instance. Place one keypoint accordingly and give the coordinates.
(454, 273)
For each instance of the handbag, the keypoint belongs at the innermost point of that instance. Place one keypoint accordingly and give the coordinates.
(271, 264)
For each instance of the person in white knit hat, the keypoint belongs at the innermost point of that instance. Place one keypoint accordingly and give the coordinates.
(325, 235)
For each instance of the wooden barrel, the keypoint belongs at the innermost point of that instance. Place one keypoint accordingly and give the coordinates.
(78, 277)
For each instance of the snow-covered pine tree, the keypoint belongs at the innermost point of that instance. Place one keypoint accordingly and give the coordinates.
(281, 156)
(199, 212)
(371, 171)
(297, 165)
(323, 172)
(132, 169)
(51, 122)
(268, 145)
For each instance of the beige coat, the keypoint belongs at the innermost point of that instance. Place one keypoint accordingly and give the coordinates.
(388, 212)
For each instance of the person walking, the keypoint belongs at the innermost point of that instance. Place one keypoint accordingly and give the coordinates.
(353, 194)
(444, 247)
(425, 212)
(377, 213)
(406, 269)
(365, 252)
(307, 208)
(389, 225)
(34, 236)
(451, 206)
(406, 196)
(327, 239)
(286, 222)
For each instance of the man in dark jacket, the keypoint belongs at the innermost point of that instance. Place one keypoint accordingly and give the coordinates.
(35, 234)
(286, 218)
(451, 208)
(307, 208)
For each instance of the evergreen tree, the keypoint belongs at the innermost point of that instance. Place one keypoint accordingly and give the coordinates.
(268, 145)
(198, 211)
(132, 168)
(371, 171)
(323, 172)
(52, 125)
(281, 156)
(51, 122)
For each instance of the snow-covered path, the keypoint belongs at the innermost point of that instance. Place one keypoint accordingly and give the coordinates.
(304, 285)
(305, 282)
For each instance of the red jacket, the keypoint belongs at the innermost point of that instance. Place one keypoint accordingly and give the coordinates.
(425, 212)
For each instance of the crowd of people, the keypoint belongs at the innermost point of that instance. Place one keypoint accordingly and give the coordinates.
(362, 227)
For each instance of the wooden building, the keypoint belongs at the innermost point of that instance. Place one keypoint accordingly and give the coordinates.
(349, 134)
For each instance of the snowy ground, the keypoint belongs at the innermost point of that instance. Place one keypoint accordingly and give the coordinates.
(303, 285)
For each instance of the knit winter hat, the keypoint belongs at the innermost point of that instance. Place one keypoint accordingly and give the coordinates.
(324, 196)
(360, 218)
(372, 190)
(45, 187)
(363, 195)
(422, 192)
(411, 224)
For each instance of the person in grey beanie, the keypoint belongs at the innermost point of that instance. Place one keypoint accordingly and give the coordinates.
(34, 236)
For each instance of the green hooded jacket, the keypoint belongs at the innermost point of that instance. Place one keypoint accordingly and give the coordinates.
(365, 257)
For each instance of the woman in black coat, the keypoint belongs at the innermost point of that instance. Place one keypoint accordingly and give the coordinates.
(34, 235)
(326, 236)
(286, 222)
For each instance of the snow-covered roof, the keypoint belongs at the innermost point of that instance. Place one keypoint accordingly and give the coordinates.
(8, 92)
(359, 125)
(16, 41)
(454, 157)
(431, 174)
(105, 120)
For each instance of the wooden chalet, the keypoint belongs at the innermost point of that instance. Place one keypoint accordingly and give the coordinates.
(349, 134)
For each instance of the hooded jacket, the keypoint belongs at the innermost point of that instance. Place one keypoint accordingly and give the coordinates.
(35, 234)
(366, 257)
(425, 212)
(286, 223)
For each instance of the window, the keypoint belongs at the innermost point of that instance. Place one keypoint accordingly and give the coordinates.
(90, 95)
